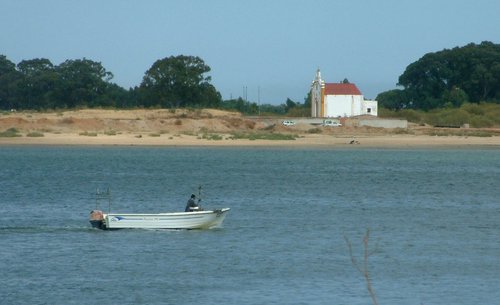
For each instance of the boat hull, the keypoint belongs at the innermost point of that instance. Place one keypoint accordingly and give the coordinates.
(177, 220)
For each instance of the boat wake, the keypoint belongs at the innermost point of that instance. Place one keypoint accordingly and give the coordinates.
(42, 229)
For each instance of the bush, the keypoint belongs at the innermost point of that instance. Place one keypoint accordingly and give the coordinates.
(408, 114)
(263, 136)
(448, 118)
(35, 134)
(481, 122)
(412, 115)
(473, 109)
(10, 133)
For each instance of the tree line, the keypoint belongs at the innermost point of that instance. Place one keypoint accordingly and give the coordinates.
(444, 79)
(448, 79)
(172, 82)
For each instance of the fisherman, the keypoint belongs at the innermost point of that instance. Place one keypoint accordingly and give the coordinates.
(191, 205)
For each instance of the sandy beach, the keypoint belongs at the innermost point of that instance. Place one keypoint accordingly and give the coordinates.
(190, 128)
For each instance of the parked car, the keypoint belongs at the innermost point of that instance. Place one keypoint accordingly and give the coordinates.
(331, 123)
(288, 123)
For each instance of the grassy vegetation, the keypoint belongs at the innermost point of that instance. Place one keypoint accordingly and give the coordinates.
(483, 115)
(462, 133)
(263, 136)
(10, 133)
(88, 134)
(34, 134)
(110, 133)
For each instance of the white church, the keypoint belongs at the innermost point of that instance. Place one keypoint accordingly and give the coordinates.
(331, 100)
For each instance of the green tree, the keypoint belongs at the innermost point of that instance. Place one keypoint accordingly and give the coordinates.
(80, 83)
(393, 99)
(307, 100)
(240, 105)
(289, 104)
(455, 97)
(179, 81)
(115, 96)
(432, 81)
(37, 84)
(9, 79)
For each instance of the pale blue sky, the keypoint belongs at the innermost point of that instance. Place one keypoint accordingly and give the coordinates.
(274, 45)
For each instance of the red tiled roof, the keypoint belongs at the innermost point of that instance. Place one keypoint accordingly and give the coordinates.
(341, 89)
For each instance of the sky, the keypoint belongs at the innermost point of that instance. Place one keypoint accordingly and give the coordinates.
(264, 50)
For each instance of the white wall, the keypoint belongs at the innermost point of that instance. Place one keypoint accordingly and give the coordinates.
(349, 105)
(343, 105)
(370, 107)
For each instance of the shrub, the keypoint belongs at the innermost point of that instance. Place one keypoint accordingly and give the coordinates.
(263, 136)
(481, 122)
(448, 117)
(35, 134)
(473, 108)
(412, 115)
(408, 114)
(10, 133)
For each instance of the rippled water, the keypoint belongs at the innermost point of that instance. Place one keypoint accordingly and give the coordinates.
(433, 217)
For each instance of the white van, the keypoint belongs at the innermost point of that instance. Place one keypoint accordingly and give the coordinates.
(288, 123)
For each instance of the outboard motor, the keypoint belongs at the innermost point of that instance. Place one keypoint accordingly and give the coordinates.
(97, 219)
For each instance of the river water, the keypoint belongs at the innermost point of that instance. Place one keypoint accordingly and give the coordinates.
(433, 217)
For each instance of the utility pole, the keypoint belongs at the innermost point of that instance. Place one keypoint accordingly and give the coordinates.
(258, 99)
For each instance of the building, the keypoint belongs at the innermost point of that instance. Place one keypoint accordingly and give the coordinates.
(338, 100)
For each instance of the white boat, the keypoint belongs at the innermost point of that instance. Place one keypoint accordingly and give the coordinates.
(196, 218)
(175, 220)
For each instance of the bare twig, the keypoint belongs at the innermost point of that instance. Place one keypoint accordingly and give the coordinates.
(364, 269)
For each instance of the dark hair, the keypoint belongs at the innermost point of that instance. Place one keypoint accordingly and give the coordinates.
(193, 196)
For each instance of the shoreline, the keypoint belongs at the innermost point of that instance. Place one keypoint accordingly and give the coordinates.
(304, 141)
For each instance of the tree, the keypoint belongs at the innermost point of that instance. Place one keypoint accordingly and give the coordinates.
(80, 83)
(37, 84)
(179, 81)
(289, 104)
(393, 99)
(240, 105)
(434, 79)
(307, 100)
(9, 79)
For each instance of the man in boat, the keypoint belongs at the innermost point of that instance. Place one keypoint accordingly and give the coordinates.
(191, 205)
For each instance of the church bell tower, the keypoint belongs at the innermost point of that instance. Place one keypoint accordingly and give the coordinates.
(317, 90)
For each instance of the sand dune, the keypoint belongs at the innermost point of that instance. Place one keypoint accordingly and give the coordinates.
(163, 127)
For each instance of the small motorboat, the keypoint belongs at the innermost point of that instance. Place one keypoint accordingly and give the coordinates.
(196, 218)
(175, 220)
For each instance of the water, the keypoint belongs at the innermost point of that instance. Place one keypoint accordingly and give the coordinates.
(433, 217)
